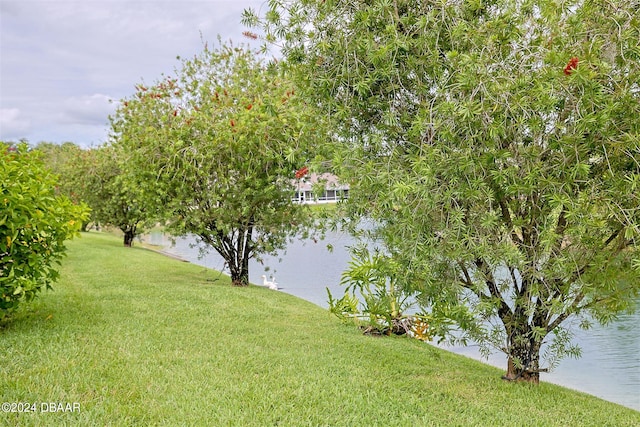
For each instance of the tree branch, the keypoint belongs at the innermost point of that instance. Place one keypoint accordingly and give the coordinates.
(504, 308)
(467, 282)
(563, 316)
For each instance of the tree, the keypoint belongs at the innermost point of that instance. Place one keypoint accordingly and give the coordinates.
(496, 146)
(216, 149)
(69, 163)
(114, 200)
(34, 223)
(59, 158)
(95, 176)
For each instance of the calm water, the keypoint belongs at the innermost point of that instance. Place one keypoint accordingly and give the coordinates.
(609, 367)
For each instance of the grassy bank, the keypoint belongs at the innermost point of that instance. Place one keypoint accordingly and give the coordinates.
(140, 339)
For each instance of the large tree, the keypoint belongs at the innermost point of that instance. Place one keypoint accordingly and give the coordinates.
(496, 146)
(216, 151)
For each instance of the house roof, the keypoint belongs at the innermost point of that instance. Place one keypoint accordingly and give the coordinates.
(330, 181)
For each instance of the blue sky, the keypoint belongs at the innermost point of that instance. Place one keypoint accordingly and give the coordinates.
(64, 64)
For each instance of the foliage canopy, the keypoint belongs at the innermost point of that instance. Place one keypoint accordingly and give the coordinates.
(216, 149)
(34, 223)
(115, 200)
(497, 146)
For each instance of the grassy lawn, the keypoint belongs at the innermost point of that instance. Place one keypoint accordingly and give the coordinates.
(139, 339)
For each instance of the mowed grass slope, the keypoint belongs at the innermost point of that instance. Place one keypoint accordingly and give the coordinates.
(139, 339)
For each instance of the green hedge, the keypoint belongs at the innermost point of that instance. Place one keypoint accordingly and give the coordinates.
(34, 223)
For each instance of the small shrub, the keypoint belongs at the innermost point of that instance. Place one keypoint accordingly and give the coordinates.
(373, 276)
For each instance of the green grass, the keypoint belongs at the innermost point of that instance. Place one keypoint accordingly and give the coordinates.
(139, 339)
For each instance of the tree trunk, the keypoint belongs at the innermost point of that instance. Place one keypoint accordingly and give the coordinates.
(239, 269)
(240, 274)
(523, 362)
(240, 264)
(235, 249)
(129, 235)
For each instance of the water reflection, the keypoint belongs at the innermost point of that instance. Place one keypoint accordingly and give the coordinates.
(609, 367)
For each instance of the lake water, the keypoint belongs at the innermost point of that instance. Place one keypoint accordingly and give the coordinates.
(609, 367)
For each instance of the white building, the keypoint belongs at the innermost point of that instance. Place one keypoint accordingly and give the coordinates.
(333, 190)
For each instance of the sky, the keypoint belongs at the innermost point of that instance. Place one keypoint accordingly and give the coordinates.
(65, 64)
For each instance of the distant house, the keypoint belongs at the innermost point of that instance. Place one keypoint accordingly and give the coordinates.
(333, 190)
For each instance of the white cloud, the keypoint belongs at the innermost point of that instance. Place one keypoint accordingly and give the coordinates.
(12, 125)
(87, 110)
(62, 59)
